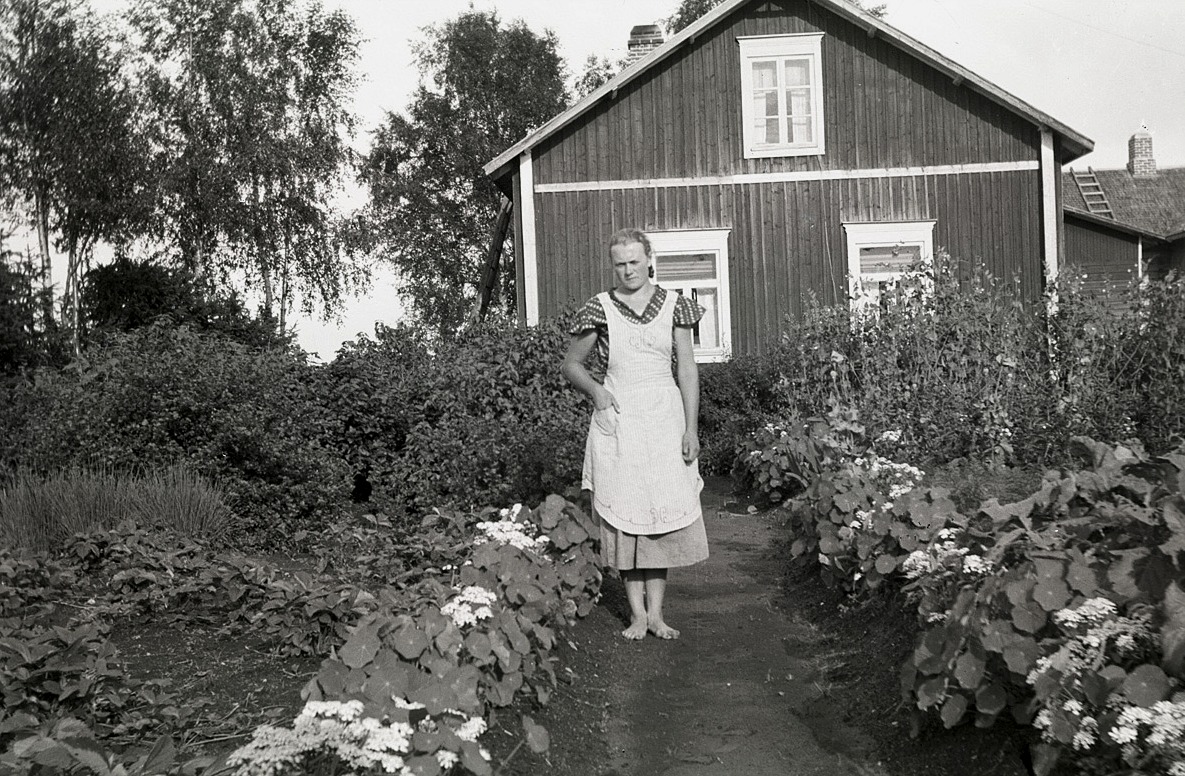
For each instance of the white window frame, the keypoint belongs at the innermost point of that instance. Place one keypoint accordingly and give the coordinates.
(881, 234)
(806, 45)
(714, 241)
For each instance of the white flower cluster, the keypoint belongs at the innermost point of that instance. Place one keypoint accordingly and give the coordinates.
(508, 530)
(470, 605)
(890, 437)
(323, 727)
(894, 479)
(338, 727)
(1156, 732)
(1090, 612)
(1096, 624)
(944, 553)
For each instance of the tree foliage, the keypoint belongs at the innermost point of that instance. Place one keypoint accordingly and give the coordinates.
(596, 73)
(690, 10)
(687, 12)
(251, 104)
(70, 154)
(483, 86)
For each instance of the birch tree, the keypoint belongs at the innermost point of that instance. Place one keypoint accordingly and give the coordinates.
(252, 99)
(71, 159)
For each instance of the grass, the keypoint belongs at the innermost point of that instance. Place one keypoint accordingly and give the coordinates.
(38, 511)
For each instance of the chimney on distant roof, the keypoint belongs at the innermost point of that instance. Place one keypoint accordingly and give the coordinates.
(644, 38)
(1139, 155)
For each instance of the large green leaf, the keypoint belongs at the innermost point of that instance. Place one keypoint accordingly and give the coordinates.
(1146, 685)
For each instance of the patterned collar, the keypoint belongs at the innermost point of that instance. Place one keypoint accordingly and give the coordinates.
(652, 307)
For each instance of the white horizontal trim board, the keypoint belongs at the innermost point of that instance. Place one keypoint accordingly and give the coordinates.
(789, 177)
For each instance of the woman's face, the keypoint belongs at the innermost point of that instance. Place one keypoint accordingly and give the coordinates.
(631, 265)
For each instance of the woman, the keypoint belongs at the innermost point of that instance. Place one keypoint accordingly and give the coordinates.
(640, 460)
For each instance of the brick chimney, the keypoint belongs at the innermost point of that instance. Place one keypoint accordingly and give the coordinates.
(644, 38)
(1139, 155)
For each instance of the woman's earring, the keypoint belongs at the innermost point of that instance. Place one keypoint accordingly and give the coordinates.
(650, 271)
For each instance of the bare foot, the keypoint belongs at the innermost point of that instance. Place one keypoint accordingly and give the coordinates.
(636, 631)
(662, 630)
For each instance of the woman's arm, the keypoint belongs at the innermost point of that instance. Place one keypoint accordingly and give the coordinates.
(573, 369)
(688, 375)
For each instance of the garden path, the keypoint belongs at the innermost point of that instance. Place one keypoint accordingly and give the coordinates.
(744, 690)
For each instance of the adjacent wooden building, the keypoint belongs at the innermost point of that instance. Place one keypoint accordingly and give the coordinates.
(777, 149)
(1126, 224)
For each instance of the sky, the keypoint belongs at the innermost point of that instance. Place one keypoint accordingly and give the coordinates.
(1104, 68)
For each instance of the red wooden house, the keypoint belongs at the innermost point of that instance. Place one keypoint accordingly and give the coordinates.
(1127, 223)
(777, 148)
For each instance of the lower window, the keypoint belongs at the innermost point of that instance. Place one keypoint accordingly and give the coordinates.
(695, 263)
(880, 253)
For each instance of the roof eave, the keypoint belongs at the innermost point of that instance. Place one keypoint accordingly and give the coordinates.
(1118, 226)
(1074, 144)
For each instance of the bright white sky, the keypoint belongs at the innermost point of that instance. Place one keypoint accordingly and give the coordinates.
(1102, 67)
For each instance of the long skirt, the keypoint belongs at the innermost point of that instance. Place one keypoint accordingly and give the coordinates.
(626, 552)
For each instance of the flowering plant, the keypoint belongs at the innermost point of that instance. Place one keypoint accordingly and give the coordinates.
(471, 604)
(1086, 676)
(939, 569)
(338, 737)
(511, 530)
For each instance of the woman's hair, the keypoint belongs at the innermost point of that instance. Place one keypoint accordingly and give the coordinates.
(631, 235)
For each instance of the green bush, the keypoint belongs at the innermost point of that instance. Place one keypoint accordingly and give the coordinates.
(955, 367)
(156, 396)
(487, 419)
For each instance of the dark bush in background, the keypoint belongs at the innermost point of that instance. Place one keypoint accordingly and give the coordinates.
(244, 417)
(495, 423)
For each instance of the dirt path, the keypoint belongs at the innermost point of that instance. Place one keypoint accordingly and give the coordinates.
(744, 690)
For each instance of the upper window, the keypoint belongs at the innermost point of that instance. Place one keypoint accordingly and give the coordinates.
(880, 253)
(695, 264)
(782, 95)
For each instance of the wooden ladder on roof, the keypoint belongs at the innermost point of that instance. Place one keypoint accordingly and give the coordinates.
(1092, 192)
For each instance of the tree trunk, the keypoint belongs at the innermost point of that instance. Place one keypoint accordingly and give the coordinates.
(489, 272)
(42, 215)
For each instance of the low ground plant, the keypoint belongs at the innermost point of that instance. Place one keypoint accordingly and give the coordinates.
(414, 666)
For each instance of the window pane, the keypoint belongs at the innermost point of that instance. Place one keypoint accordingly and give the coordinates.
(769, 105)
(799, 101)
(707, 333)
(888, 258)
(801, 130)
(679, 268)
(772, 133)
(798, 72)
(765, 75)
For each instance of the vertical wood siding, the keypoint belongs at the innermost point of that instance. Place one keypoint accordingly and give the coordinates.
(788, 237)
(1104, 255)
(882, 108)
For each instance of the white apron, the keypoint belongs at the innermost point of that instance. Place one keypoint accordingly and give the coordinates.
(633, 459)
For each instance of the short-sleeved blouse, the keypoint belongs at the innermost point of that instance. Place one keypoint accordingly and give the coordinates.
(591, 317)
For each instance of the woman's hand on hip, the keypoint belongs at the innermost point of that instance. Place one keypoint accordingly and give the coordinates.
(690, 447)
(602, 399)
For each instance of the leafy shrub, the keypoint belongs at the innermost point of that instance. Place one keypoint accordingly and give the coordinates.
(40, 512)
(498, 423)
(373, 393)
(1007, 625)
(736, 398)
(159, 395)
(960, 369)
